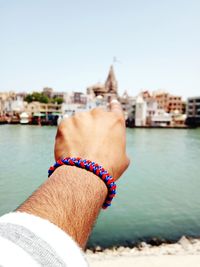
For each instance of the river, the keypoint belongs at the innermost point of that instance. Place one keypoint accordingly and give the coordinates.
(158, 196)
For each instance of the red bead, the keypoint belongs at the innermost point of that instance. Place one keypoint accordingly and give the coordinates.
(104, 176)
(97, 172)
(82, 165)
(91, 168)
(71, 162)
(60, 162)
(110, 181)
(113, 187)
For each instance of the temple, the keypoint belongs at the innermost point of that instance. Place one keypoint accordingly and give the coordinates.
(107, 90)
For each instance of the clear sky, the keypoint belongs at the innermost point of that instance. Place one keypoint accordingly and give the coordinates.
(69, 45)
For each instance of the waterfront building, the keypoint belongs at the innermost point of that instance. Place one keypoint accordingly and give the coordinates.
(152, 107)
(178, 120)
(162, 99)
(140, 111)
(168, 102)
(5, 98)
(50, 93)
(175, 104)
(36, 107)
(79, 98)
(128, 104)
(76, 102)
(80, 102)
(1, 107)
(11, 103)
(193, 111)
(161, 119)
(42, 113)
(107, 90)
(69, 109)
(125, 103)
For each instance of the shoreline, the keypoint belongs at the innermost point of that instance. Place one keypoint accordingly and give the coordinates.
(184, 241)
(184, 252)
(138, 243)
(128, 127)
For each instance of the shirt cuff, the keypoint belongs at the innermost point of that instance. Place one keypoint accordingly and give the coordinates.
(38, 236)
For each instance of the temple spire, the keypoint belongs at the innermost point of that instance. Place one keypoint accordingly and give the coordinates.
(111, 82)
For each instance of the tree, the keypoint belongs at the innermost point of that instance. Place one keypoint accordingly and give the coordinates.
(35, 96)
(57, 100)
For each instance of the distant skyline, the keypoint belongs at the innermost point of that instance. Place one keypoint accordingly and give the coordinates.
(70, 45)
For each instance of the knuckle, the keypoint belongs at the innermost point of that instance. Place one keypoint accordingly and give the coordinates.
(120, 118)
(97, 111)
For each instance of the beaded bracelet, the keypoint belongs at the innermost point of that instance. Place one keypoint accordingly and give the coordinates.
(92, 167)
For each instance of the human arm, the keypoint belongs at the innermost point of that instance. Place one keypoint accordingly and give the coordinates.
(72, 198)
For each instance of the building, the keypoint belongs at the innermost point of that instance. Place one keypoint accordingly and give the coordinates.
(175, 104)
(11, 103)
(161, 119)
(178, 120)
(162, 99)
(107, 90)
(169, 103)
(152, 105)
(42, 108)
(126, 104)
(50, 93)
(140, 111)
(193, 111)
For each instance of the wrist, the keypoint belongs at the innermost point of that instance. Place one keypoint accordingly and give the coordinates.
(93, 167)
(85, 181)
(71, 199)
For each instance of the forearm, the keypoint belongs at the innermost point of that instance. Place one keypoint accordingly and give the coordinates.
(71, 198)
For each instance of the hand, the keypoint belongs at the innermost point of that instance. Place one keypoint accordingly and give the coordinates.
(97, 135)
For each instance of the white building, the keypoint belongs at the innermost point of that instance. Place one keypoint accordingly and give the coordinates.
(152, 107)
(140, 111)
(161, 118)
(14, 105)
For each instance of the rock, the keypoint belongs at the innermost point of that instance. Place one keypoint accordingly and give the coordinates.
(133, 250)
(126, 250)
(107, 251)
(120, 249)
(88, 251)
(184, 242)
(156, 241)
(98, 249)
(194, 241)
(144, 245)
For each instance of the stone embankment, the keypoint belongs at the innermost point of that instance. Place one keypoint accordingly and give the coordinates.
(183, 246)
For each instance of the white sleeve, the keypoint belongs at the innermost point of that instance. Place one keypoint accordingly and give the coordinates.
(26, 239)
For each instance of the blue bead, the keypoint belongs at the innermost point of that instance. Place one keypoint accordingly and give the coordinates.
(56, 165)
(106, 204)
(107, 179)
(111, 185)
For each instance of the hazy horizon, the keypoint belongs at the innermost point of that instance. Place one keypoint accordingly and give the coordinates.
(70, 45)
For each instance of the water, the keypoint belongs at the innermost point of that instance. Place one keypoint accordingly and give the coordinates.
(159, 195)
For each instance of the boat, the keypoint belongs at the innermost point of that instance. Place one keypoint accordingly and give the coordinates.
(24, 118)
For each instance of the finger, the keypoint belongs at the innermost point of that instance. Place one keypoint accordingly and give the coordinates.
(116, 107)
(98, 110)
